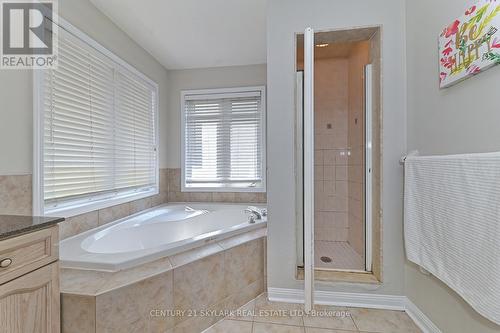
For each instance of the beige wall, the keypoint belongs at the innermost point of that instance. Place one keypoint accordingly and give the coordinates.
(203, 78)
(358, 58)
(285, 18)
(460, 119)
(16, 108)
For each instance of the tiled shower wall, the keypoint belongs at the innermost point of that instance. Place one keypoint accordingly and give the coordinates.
(16, 199)
(356, 141)
(330, 169)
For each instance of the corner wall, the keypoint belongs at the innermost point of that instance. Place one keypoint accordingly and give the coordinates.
(461, 119)
(285, 18)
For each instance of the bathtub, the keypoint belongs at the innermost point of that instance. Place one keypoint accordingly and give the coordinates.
(155, 233)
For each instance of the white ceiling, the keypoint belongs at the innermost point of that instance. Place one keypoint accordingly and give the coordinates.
(194, 33)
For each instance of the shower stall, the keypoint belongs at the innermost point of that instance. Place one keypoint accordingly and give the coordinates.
(336, 141)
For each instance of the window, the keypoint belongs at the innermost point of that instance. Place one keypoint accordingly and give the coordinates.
(223, 140)
(95, 130)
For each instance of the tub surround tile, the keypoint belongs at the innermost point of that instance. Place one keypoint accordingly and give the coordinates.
(190, 256)
(123, 301)
(174, 180)
(77, 314)
(164, 180)
(81, 223)
(113, 213)
(82, 282)
(199, 284)
(243, 238)
(199, 196)
(78, 224)
(16, 199)
(176, 195)
(243, 265)
(16, 191)
(128, 308)
(132, 275)
(250, 197)
(141, 204)
(242, 297)
(159, 199)
(93, 283)
(224, 197)
(15, 195)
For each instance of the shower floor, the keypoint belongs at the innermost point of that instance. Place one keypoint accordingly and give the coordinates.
(342, 256)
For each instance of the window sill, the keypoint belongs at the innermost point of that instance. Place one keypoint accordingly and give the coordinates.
(75, 210)
(223, 189)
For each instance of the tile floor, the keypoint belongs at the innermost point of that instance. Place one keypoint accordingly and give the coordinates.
(263, 316)
(342, 254)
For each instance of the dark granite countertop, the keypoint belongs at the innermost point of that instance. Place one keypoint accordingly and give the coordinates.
(14, 225)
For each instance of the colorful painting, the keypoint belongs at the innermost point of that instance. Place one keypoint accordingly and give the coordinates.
(471, 44)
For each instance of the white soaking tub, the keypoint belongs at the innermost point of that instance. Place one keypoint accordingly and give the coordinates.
(155, 233)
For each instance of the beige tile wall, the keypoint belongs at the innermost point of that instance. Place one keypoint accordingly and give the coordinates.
(330, 165)
(221, 281)
(16, 199)
(175, 194)
(78, 224)
(15, 195)
(356, 141)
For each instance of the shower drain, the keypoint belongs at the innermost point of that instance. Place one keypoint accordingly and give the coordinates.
(326, 259)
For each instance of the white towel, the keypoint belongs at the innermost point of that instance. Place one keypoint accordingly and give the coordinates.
(452, 224)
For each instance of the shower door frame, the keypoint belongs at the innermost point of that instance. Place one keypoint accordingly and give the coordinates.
(308, 168)
(368, 166)
(305, 246)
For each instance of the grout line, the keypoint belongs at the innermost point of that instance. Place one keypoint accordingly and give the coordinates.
(352, 318)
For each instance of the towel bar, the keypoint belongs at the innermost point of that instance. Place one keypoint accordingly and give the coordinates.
(403, 158)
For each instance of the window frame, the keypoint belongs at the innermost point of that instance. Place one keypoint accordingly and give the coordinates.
(80, 206)
(222, 92)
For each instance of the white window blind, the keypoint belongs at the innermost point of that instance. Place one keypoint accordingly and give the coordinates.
(224, 140)
(99, 128)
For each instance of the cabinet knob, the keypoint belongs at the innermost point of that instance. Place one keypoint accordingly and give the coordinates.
(4, 263)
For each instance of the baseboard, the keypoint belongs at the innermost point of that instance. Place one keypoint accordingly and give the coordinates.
(422, 321)
(357, 300)
(375, 301)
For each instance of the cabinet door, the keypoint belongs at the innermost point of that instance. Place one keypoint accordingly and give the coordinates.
(30, 303)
